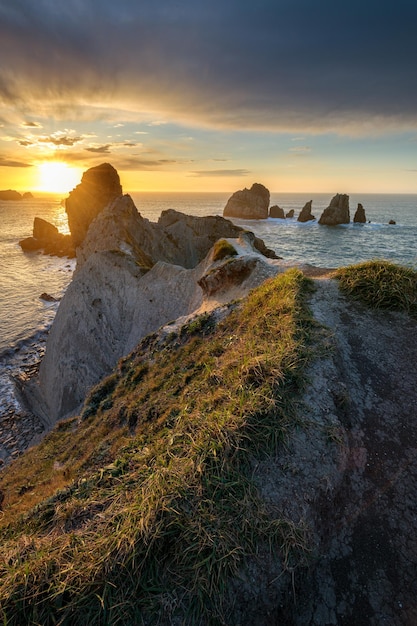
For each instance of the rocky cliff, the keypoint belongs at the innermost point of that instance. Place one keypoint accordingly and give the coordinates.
(133, 276)
(250, 203)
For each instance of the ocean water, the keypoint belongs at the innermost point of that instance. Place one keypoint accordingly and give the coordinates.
(25, 318)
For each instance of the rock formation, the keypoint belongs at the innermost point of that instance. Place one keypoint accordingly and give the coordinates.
(133, 276)
(249, 204)
(337, 212)
(360, 216)
(99, 186)
(305, 213)
(277, 212)
(290, 214)
(47, 237)
(10, 194)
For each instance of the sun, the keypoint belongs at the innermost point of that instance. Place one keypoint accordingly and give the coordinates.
(58, 177)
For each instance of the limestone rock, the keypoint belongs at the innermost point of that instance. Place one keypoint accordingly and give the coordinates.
(277, 212)
(290, 214)
(337, 212)
(250, 203)
(305, 213)
(99, 186)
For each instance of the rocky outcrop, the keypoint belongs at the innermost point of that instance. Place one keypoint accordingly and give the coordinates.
(250, 203)
(133, 276)
(360, 217)
(290, 214)
(305, 213)
(337, 212)
(99, 186)
(277, 212)
(47, 237)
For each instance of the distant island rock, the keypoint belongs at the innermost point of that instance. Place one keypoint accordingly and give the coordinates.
(337, 212)
(12, 195)
(250, 204)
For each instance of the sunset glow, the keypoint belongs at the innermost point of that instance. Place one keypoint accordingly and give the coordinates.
(180, 102)
(57, 177)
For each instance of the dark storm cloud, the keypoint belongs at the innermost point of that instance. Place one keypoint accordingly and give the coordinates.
(271, 63)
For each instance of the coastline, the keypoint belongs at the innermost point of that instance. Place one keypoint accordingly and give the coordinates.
(19, 427)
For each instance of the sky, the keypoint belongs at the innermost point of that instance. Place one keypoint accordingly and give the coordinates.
(192, 95)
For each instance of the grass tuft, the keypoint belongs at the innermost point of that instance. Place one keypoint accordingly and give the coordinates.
(381, 285)
(222, 249)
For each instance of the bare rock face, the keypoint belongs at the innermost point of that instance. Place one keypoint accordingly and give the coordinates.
(277, 212)
(305, 213)
(99, 186)
(360, 216)
(337, 212)
(132, 276)
(250, 203)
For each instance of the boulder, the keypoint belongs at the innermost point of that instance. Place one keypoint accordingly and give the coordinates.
(250, 203)
(305, 213)
(277, 212)
(360, 217)
(392, 222)
(337, 212)
(290, 214)
(99, 186)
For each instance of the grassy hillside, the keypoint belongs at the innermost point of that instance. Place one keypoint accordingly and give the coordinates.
(141, 510)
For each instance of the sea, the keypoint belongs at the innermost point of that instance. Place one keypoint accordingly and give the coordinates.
(25, 317)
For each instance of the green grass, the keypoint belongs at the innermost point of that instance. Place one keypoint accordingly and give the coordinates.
(143, 510)
(381, 285)
(222, 249)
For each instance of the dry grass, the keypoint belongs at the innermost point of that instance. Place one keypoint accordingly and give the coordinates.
(155, 507)
(381, 285)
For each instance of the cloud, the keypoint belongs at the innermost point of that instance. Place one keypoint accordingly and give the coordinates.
(5, 162)
(31, 125)
(290, 66)
(220, 173)
(100, 149)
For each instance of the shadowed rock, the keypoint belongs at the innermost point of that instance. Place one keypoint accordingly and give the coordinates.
(277, 212)
(360, 217)
(250, 203)
(337, 212)
(305, 213)
(47, 237)
(99, 186)
(290, 214)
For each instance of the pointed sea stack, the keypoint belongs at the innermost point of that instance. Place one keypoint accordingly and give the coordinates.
(306, 214)
(360, 217)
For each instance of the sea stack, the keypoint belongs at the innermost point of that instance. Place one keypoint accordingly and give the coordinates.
(277, 212)
(337, 212)
(360, 217)
(99, 186)
(250, 204)
(306, 214)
